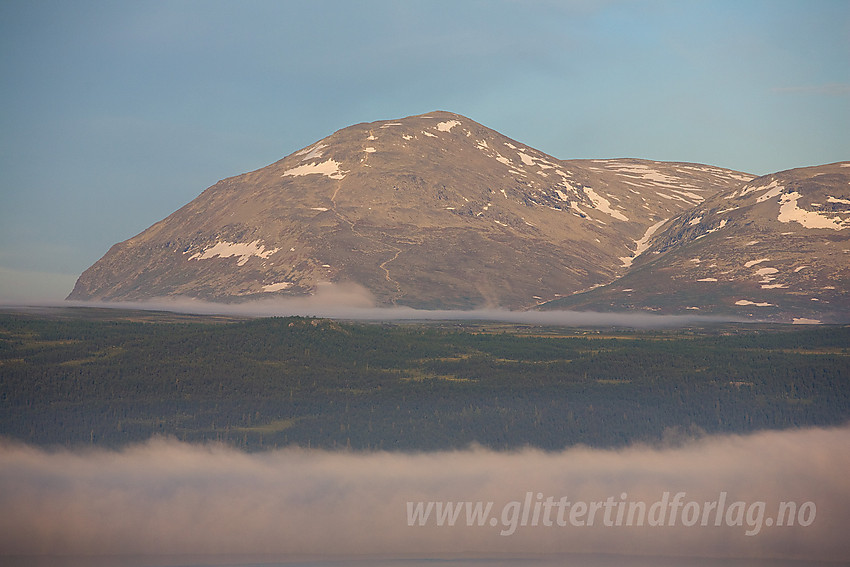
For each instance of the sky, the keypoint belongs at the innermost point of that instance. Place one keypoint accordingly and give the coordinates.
(115, 114)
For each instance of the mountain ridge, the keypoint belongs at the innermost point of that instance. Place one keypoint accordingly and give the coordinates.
(428, 211)
(773, 249)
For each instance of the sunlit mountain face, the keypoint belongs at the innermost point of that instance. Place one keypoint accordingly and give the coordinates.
(431, 211)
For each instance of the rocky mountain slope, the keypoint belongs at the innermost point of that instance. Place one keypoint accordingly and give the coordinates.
(430, 211)
(775, 248)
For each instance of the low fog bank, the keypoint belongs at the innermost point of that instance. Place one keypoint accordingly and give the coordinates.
(352, 302)
(168, 497)
(443, 560)
(271, 308)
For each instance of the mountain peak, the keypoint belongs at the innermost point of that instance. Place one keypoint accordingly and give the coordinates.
(430, 211)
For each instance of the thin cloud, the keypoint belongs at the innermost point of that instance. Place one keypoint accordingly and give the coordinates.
(353, 302)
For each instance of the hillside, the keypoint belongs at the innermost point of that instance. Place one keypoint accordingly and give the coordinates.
(430, 211)
(777, 248)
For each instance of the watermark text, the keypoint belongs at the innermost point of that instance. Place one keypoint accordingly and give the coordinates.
(538, 510)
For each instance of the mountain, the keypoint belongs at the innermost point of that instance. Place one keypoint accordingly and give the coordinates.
(775, 248)
(429, 211)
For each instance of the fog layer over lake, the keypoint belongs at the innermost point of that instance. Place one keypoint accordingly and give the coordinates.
(168, 497)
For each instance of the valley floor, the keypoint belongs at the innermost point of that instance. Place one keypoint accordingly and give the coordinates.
(78, 376)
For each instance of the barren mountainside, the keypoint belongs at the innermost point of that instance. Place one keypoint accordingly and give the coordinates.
(776, 248)
(438, 211)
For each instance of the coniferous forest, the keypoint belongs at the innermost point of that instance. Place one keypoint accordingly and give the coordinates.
(74, 377)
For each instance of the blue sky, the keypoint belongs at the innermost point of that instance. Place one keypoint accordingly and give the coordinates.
(114, 114)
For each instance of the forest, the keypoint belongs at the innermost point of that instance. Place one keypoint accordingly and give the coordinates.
(73, 377)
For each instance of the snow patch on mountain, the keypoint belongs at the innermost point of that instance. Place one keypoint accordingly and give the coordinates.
(603, 205)
(642, 244)
(447, 125)
(277, 286)
(526, 159)
(744, 302)
(329, 168)
(774, 191)
(789, 211)
(638, 171)
(676, 197)
(689, 195)
(755, 188)
(225, 249)
(312, 152)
